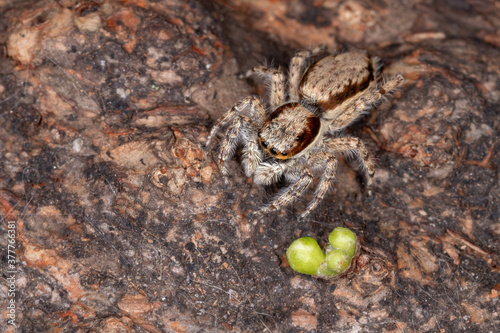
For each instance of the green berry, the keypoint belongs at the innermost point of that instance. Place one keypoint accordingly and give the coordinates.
(305, 256)
(344, 239)
(338, 260)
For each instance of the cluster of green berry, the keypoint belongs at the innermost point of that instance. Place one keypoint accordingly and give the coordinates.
(305, 255)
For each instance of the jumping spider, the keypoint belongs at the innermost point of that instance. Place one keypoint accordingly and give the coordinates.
(303, 133)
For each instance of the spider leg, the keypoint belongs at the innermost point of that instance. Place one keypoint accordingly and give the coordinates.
(241, 130)
(257, 113)
(268, 173)
(290, 193)
(356, 146)
(278, 93)
(351, 111)
(297, 68)
(228, 146)
(329, 162)
(252, 155)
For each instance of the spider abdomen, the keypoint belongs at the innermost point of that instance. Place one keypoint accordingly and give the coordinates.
(332, 80)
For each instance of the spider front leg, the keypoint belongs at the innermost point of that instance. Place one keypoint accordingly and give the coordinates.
(268, 173)
(356, 146)
(242, 129)
(257, 113)
(328, 163)
(290, 193)
(252, 155)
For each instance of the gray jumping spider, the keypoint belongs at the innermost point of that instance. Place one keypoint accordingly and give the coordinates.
(303, 133)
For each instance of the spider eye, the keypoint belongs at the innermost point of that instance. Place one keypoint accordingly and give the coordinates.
(284, 153)
(264, 144)
(273, 151)
(298, 138)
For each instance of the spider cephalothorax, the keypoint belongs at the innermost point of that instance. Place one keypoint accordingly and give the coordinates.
(289, 130)
(326, 93)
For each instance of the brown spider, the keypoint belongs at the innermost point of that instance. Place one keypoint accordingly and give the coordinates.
(303, 133)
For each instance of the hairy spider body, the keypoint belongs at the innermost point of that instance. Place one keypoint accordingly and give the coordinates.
(289, 130)
(326, 93)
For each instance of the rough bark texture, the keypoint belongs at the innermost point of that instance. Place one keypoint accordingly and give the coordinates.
(122, 219)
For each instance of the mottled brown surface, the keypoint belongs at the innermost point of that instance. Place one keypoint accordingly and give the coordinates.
(123, 223)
